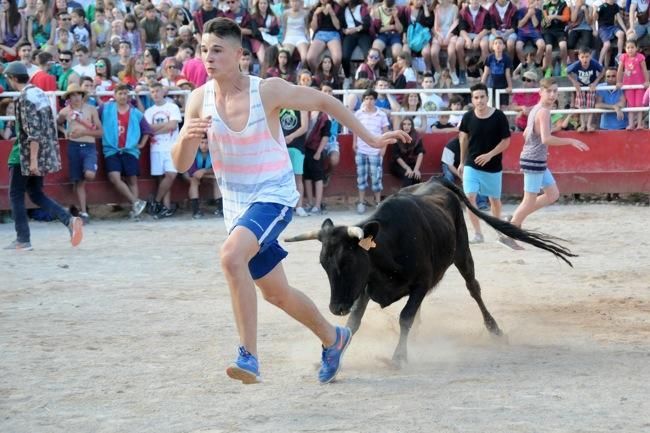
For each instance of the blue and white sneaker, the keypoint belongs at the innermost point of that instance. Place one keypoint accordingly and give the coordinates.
(331, 358)
(245, 368)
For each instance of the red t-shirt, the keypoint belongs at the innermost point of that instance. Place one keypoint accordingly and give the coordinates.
(123, 122)
(44, 81)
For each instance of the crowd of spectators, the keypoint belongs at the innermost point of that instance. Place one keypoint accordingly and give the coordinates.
(104, 45)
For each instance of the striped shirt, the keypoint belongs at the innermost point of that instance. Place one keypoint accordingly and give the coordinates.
(250, 165)
(534, 153)
(375, 122)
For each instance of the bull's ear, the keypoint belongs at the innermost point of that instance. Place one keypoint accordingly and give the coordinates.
(371, 229)
(327, 224)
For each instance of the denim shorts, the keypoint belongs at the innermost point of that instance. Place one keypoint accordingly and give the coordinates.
(535, 182)
(266, 221)
(369, 165)
(607, 33)
(327, 36)
(82, 157)
(482, 182)
(390, 38)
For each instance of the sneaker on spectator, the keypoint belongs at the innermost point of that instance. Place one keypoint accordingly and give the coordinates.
(197, 215)
(75, 226)
(462, 76)
(84, 217)
(301, 212)
(218, 213)
(454, 78)
(477, 239)
(563, 72)
(245, 368)
(548, 73)
(361, 208)
(163, 212)
(315, 211)
(19, 246)
(138, 207)
(436, 77)
(331, 357)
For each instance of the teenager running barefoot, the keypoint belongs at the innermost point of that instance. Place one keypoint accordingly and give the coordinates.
(537, 176)
(240, 114)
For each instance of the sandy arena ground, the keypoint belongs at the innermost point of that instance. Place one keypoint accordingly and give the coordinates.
(131, 332)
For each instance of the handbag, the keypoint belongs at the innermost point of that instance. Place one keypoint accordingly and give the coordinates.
(417, 36)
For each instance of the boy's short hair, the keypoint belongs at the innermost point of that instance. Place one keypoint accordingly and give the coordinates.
(85, 78)
(156, 85)
(370, 92)
(43, 58)
(99, 10)
(224, 28)
(125, 42)
(122, 88)
(66, 53)
(245, 52)
(22, 44)
(326, 84)
(149, 7)
(477, 87)
(427, 75)
(82, 48)
(499, 38)
(584, 50)
(79, 12)
(456, 99)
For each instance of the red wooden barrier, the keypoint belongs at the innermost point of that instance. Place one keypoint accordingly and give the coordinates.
(619, 161)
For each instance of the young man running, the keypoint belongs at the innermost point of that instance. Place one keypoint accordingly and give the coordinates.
(241, 117)
(537, 176)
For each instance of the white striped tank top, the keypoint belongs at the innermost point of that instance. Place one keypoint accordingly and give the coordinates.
(250, 165)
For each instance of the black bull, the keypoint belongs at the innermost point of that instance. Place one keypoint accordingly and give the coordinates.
(404, 249)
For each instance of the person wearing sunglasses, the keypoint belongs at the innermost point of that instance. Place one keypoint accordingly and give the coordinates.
(523, 102)
(371, 67)
(68, 76)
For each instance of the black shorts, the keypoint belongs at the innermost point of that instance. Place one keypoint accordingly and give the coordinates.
(554, 37)
(124, 163)
(314, 170)
(580, 38)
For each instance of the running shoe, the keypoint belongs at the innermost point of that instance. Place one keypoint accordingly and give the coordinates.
(75, 226)
(331, 357)
(510, 243)
(19, 246)
(138, 207)
(245, 368)
(301, 212)
(477, 239)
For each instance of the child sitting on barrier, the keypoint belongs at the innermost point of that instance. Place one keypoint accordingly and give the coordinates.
(201, 170)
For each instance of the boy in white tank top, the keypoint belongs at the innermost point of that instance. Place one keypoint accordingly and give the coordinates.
(240, 114)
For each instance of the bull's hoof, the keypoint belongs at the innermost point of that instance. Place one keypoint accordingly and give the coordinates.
(500, 338)
(392, 364)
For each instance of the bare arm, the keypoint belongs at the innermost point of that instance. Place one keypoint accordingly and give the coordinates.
(194, 128)
(542, 122)
(304, 126)
(463, 138)
(278, 93)
(33, 157)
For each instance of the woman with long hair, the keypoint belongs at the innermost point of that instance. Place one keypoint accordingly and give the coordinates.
(40, 27)
(296, 35)
(445, 34)
(357, 27)
(10, 28)
(412, 102)
(418, 15)
(372, 67)
(134, 34)
(264, 27)
(407, 157)
(281, 67)
(133, 73)
(151, 58)
(171, 35)
(325, 22)
(104, 81)
(325, 74)
(404, 76)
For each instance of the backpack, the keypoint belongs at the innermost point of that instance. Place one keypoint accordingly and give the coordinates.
(418, 36)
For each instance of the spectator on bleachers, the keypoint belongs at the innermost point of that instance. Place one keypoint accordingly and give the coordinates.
(443, 124)
(497, 72)
(610, 26)
(126, 131)
(404, 76)
(245, 62)
(388, 26)
(585, 72)
(371, 66)
(64, 40)
(611, 100)
(325, 73)
(281, 66)
(133, 74)
(445, 30)
(171, 73)
(82, 127)
(184, 53)
(418, 20)
(42, 79)
(171, 37)
(134, 34)
(305, 78)
(68, 75)
(123, 59)
(206, 12)
(632, 70)
(556, 17)
(357, 30)
(152, 27)
(639, 23)
(41, 26)
(25, 56)
(524, 102)
(264, 28)
(88, 86)
(445, 82)
(353, 101)
(527, 65)
(7, 127)
(294, 124)
(529, 30)
(80, 28)
(580, 28)
(430, 101)
(369, 159)
(325, 22)
(503, 21)
(12, 24)
(456, 103)
(384, 101)
(474, 27)
(100, 32)
(295, 30)
(407, 157)
(412, 102)
(84, 67)
(104, 77)
(201, 170)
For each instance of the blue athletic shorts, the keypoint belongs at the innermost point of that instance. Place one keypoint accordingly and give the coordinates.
(82, 157)
(266, 221)
(535, 182)
(482, 182)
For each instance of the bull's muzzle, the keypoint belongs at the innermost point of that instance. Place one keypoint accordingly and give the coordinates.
(340, 309)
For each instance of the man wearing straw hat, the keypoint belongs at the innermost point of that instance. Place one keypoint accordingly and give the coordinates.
(35, 153)
(82, 127)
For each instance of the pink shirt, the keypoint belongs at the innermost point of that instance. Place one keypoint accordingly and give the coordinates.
(632, 72)
(195, 72)
(524, 100)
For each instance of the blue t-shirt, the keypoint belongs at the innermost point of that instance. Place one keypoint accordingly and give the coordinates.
(611, 97)
(585, 76)
(529, 29)
(497, 77)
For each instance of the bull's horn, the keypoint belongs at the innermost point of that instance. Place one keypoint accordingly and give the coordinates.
(304, 236)
(355, 232)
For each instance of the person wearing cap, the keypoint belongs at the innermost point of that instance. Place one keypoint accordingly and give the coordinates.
(524, 102)
(82, 127)
(35, 153)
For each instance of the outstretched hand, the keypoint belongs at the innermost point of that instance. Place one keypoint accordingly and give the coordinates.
(580, 145)
(392, 137)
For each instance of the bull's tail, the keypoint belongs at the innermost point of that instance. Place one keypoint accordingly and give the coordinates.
(536, 239)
